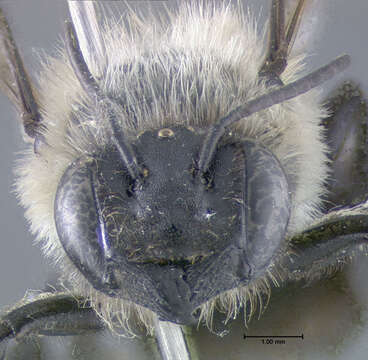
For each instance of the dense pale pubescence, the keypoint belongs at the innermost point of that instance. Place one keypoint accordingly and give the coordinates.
(191, 71)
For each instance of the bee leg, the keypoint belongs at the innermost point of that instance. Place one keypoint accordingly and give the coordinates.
(55, 314)
(328, 245)
(16, 84)
(347, 138)
(280, 41)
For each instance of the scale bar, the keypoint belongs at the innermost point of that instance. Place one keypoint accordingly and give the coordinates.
(274, 336)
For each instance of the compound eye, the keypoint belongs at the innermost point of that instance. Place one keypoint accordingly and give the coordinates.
(80, 226)
(268, 206)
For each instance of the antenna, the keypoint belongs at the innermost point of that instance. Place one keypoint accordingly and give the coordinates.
(105, 105)
(265, 101)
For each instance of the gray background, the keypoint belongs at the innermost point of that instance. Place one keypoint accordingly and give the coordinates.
(37, 24)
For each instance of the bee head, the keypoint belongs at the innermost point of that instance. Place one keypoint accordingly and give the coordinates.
(174, 238)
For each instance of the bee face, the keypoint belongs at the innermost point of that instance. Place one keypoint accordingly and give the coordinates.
(325, 58)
